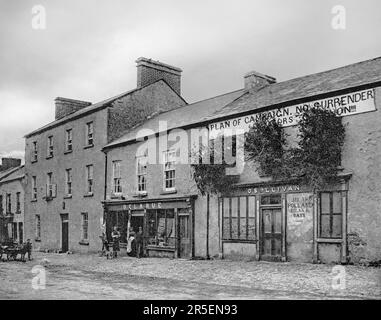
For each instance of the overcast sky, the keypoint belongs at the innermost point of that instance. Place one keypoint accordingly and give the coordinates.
(88, 49)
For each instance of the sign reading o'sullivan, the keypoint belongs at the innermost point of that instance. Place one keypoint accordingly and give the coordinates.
(344, 105)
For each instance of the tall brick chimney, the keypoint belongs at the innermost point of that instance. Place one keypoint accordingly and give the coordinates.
(7, 163)
(65, 106)
(255, 80)
(150, 71)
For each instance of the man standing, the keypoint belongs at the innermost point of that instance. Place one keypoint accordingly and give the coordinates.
(115, 238)
(139, 242)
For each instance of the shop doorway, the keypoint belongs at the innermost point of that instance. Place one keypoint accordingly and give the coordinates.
(184, 239)
(136, 222)
(64, 233)
(271, 235)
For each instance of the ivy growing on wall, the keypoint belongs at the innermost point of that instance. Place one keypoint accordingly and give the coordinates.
(316, 159)
(211, 177)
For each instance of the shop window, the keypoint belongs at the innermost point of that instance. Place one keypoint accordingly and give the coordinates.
(14, 231)
(161, 227)
(1, 204)
(238, 218)
(331, 215)
(117, 219)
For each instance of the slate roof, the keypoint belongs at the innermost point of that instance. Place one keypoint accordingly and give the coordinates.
(350, 76)
(183, 116)
(12, 174)
(241, 101)
(92, 108)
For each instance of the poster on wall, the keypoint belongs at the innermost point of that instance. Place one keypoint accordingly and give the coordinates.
(299, 208)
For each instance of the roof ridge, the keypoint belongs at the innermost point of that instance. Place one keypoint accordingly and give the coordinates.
(325, 71)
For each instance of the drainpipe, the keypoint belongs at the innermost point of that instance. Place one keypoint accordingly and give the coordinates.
(207, 225)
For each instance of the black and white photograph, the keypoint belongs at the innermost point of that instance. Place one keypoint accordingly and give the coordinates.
(190, 155)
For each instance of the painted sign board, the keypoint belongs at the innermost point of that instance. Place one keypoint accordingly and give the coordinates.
(343, 105)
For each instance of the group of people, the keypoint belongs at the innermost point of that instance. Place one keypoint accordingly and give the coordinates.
(134, 243)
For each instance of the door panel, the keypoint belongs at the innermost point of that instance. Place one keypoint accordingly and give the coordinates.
(271, 234)
(184, 236)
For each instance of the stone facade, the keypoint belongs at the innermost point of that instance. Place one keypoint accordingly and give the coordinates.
(61, 215)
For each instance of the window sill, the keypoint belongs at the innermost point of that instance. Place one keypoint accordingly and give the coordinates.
(68, 196)
(88, 195)
(68, 151)
(33, 200)
(140, 194)
(37, 239)
(88, 146)
(239, 241)
(84, 242)
(49, 157)
(163, 192)
(329, 240)
(33, 161)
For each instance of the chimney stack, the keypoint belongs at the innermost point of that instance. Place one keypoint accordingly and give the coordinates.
(7, 163)
(65, 106)
(255, 81)
(150, 71)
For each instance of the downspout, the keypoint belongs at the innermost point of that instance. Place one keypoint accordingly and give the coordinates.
(207, 225)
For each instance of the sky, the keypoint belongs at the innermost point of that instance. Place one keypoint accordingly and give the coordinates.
(88, 48)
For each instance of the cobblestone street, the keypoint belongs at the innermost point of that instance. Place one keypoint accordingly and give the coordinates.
(92, 277)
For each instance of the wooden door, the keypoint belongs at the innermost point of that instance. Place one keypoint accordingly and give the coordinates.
(184, 239)
(271, 234)
(65, 234)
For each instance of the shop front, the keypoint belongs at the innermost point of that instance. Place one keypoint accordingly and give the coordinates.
(287, 222)
(167, 224)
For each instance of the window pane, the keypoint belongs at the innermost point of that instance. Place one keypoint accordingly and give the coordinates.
(242, 206)
(251, 206)
(226, 229)
(234, 228)
(242, 228)
(325, 203)
(267, 221)
(324, 226)
(336, 226)
(226, 207)
(277, 217)
(251, 223)
(234, 207)
(337, 202)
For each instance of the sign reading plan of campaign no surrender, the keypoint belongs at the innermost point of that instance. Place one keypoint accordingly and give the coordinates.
(344, 105)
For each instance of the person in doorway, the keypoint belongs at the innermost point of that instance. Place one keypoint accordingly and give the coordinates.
(139, 242)
(115, 238)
